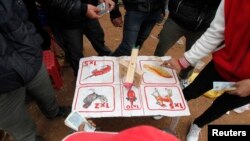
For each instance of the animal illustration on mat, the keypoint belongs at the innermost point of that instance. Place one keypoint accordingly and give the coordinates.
(161, 99)
(88, 100)
(101, 71)
(131, 96)
(157, 70)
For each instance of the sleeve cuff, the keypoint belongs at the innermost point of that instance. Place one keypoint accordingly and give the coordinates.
(183, 63)
(84, 9)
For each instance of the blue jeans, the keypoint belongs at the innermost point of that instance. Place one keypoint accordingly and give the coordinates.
(137, 27)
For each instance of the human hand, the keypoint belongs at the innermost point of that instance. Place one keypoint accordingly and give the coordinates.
(109, 4)
(242, 88)
(173, 64)
(81, 127)
(117, 22)
(92, 12)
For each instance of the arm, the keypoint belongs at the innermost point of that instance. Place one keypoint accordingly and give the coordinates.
(116, 16)
(210, 40)
(8, 17)
(15, 26)
(74, 9)
(207, 43)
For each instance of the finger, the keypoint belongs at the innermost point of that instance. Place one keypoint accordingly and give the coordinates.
(92, 123)
(81, 127)
(230, 89)
(112, 5)
(166, 64)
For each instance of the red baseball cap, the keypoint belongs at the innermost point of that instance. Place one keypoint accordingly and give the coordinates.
(138, 133)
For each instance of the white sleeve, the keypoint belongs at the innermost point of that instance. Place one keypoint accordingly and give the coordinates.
(210, 40)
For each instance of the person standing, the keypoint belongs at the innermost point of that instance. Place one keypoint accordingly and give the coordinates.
(230, 62)
(22, 73)
(72, 23)
(140, 18)
(188, 18)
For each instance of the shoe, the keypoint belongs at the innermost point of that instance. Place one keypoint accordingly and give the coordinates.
(193, 134)
(158, 117)
(184, 83)
(39, 138)
(64, 111)
(242, 108)
(3, 135)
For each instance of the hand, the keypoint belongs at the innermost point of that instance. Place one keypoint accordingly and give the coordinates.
(242, 88)
(81, 127)
(92, 12)
(173, 64)
(117, 22)
(109, 4)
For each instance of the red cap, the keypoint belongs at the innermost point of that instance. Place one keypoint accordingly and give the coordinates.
(138, 133)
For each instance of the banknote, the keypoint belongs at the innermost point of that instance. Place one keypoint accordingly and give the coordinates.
(223, 86)
(103, 8)
(74, 120)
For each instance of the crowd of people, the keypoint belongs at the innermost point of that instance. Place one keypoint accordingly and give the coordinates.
(214, 27)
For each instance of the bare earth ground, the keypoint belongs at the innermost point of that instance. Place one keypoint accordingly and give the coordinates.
(55, 130)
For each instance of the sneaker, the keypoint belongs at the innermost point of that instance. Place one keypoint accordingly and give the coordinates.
(184, 83)
(193, 134)
(64, 111)
(242, 108)
(158, 117)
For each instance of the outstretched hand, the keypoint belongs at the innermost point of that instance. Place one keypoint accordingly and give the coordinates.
(242, 88)
(172, 64)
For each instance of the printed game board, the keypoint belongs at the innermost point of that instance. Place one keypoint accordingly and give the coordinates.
(100, 92)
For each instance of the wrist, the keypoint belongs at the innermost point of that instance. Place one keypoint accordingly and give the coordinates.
(183, 62)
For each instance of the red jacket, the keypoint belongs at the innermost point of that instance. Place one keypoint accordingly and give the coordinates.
(233, 61)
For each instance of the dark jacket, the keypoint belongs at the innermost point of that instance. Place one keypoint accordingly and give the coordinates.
(139, 5)
(66, 13)
(144, 5)
(195, 15)
(34, 18)
(20, 50)
(69, 13)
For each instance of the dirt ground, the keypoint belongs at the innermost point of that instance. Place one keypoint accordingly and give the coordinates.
(55, 130)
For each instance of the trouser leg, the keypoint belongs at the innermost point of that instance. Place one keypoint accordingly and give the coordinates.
(169, 34)
(147, 26)
(219, 107)
(41, 89)
(95, 34)
(14, 117)
(132, 24)
(73, 46)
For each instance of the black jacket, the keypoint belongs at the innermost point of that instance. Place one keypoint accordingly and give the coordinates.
(69, 13)
(66, 13)
(140, 5)
(20, 50)
(195, 15)
(144, 5)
